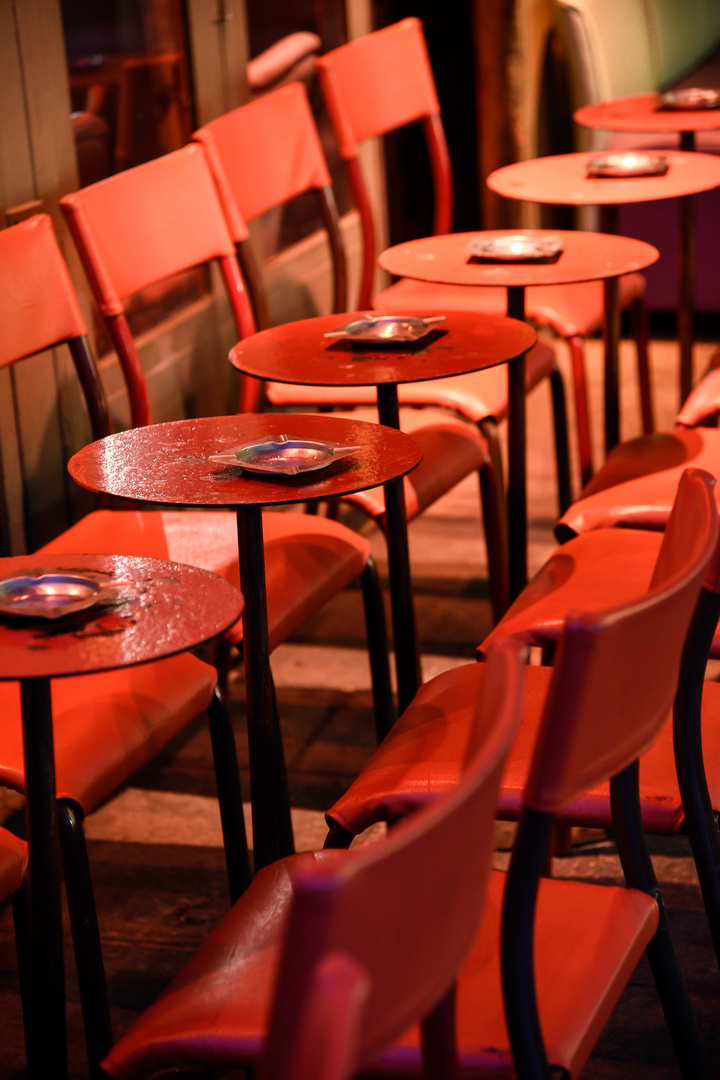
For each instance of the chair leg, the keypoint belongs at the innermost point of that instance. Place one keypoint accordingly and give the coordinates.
(338, 837)
(642, 335)
(494, 511)
(377, 641)
(21, 922)
(582, 409)
(667, 973)
(286, 839)
(488, 429)
(227, 776)
(562, 453)
(439, 1041)
(86, 936)
(700, 822)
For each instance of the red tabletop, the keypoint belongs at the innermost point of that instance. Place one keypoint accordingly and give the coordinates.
(640, 113)
(298, 353)
(161, 608)
(585, 256)
(168, 463)
(562, 179)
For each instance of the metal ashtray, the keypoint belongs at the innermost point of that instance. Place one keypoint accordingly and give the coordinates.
(284, 456)
(386, 329)
(690, 99)
(628, 164)
(514, 247)
(50, 595)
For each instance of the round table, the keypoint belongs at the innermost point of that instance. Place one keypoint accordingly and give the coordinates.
(169, 464)
(584, 257)
(160, 609)
(563, 180)
(298, 353)
(641, 113)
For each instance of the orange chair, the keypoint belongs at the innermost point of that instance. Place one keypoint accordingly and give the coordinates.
(383, 81)
(108, 725)
(138, 228)
(540, 991)
(263, 155)
(366, 922)
(680, 773)
(636, 486)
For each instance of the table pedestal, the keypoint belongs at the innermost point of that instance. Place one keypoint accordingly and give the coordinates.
(47, 1024)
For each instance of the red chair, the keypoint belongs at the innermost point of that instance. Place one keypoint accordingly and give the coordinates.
(680, 773)
(138, 228)
(263, 155)
(382, 82)
(636, 486)
(365, 923)
(534, 994)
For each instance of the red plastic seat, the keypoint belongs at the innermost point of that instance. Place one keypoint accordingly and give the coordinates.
(636, 486)
(263, 155)
(135, 229)
(381, 82)
(550, 958)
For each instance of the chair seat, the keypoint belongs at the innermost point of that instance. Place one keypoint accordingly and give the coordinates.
(479, 395)
(13, 863)
(422, 755)
(451, 449)
(215, 1012)
(570, 310)
(307, 559)
(637, 484)
(142, 708)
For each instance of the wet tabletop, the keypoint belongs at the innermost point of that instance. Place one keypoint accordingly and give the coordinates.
(562, 179)
(157, 609)
(585, 256)
(298, 353)
(640, 113)
(169, 463)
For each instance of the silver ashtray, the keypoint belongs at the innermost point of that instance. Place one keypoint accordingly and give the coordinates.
(386, 329)
(514, 247)
(628, 164)
(50, 595)
(284, 456)
(690, 99)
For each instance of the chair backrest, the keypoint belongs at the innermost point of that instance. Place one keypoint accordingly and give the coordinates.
(39, 308)
(616, 674)
(263, 155)
(380, 937)
(372, 86)
(142, 226)
(614, 679)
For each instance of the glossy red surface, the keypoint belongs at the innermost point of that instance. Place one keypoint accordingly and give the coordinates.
(585, 256)
(163, 609)
(298, 353)
(640, 112)
(562, 179)
(168, 463)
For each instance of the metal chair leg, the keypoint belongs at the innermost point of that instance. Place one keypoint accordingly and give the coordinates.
(86, 936)
(227, 778)
(562, 453)
(377, 640)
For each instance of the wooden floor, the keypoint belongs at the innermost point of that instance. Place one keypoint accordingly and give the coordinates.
(156, 848)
